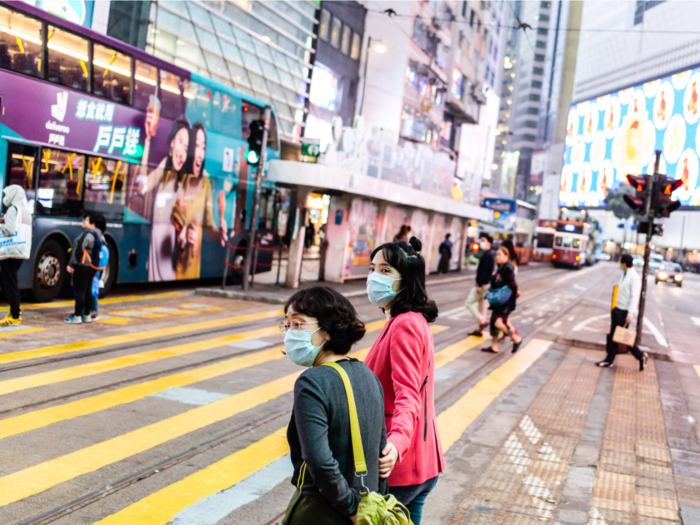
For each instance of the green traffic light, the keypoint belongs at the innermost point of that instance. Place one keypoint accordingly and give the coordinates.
(252, 157)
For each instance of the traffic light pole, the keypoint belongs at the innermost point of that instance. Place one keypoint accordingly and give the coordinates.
(256, 204)
(651, 211)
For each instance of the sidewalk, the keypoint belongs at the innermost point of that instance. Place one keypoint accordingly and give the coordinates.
(268, 292)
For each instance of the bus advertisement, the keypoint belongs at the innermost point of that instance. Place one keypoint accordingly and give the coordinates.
(90, 123)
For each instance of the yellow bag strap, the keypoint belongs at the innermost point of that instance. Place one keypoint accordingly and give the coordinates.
(357, 450)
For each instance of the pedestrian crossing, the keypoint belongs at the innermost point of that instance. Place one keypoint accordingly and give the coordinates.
(259, 348)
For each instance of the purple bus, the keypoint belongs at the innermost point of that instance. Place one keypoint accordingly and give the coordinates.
(90, 123)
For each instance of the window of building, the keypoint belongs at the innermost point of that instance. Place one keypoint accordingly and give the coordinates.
(543, 18)
(171, 98)
(537, 71)
(539, 58)
(418, 31)
(534, 98)
(324, 26)
(542, 44)
(355, 48)
(536, 84)
(145, 83)
(20, 43)
(326, 88)
(59, 192)
(112, 74)
(542, 31)
(531, 124)
(643, 6)
(335, 32)
(345, 41)
(464, 9)
(472, 14)
(67, 59)
(533, 111)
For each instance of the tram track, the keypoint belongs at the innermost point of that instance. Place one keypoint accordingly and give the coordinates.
(490, 364)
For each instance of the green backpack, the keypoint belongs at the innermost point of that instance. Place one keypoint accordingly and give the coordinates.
(374, 509)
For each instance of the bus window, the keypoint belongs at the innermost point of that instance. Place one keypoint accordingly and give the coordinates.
(199, 106)
(558, 242)
(60, 183)
(105, 180)
(145, 83)
(20, 43)
(112, 74)
(577, 244)
(224, 114)
(171, 95)
(20, 167)
(567, 242)
(67, 59)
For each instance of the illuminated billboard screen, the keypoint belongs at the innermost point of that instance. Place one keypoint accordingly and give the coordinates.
(614, 135)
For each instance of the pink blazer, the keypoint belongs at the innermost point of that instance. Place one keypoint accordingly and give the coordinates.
(403, 360)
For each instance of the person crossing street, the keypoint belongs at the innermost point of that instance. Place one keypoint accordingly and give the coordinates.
(475, 302)
(624, 312)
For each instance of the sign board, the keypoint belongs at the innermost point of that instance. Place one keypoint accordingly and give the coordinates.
(537, 166)
(504, 212)
(311, 147)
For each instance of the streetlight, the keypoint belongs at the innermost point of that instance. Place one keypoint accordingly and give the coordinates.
(379, 48)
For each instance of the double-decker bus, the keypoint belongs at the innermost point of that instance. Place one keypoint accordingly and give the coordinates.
(574, 246)
(90, 123)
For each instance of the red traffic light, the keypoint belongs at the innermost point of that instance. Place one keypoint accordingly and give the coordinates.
(475, 247)
(638, 200)
(639, 183)
(666, 205)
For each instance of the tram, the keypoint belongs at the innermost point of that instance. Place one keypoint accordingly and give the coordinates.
(573, 245)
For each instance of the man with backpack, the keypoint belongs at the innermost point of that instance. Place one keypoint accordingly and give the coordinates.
(84, 264)
(101, 223)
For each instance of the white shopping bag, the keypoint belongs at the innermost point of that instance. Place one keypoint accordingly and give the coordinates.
(18, 246)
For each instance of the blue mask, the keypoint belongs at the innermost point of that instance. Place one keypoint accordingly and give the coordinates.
(298, 346)
(380, 289)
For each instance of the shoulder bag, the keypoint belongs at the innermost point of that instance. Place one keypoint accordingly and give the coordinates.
(19, 245)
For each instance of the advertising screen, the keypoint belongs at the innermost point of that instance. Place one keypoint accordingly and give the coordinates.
(614, 135)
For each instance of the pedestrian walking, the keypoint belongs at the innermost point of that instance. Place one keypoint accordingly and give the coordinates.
(445, 250)
(402, 236)
(83, 265)
(320, 328)
(101, 223)
(403, 360)
(503, 302)
(625, 311)
(14, 251)
(514, 260)
(475, 301)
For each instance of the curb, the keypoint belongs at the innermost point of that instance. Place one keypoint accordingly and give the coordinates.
(590, 345)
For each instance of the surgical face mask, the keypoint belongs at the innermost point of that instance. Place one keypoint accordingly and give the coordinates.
(298, 346)
(380, 289)
(483, 245)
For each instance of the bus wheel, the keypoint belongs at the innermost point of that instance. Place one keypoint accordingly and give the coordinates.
(49, 272)
(109, 274)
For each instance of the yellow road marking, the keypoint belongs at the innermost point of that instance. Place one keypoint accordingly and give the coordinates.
(110, 300)
(437, 328)
(40, 418)
(133, 337)
(454, 421)
(697, 369)
(109, 365)
(160, 507)
(114, 320)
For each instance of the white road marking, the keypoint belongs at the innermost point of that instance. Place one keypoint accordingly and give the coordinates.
(557, 324)
(579, 287)
(656, 333)
(571, 318)
(457, 310)
(696, 320)
(583, 324)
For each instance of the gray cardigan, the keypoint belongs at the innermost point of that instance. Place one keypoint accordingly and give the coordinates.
(319, 434)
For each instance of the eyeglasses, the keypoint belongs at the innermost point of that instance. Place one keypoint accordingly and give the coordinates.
(294, 325)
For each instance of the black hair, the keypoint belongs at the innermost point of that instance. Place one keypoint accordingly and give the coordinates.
(627, 260)
(96, 218)
(512, 254)
(181, 123)
(335, 314)
(405, 258)
(189, 165)
(448, 236)
(486, 236)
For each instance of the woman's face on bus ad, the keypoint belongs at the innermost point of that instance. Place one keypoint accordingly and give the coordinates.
(200, 150)
(178, 148)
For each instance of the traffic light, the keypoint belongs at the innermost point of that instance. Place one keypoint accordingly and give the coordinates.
(255, 142)
(644, 229)
(665, 204)
(638, 201)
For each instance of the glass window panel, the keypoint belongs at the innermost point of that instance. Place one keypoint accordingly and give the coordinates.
(355, 49)
(171, 95)
(20, 169)
(238, 73)
(105, 183)
(199, 14)
(222, 27)
(262, 49)
(345, 42)
(270, 71)
(20, 43)
(251, 62)
(145, 82)
(242, 38)
(67, 59)
(60, 184)
(324, 28)
(189, 52)
(199, 104)
(259, 83)
(176, 24)
(231, 52)
(208, 40)
(217, 65)
(335, 32)
(272, 17)
(112, 74)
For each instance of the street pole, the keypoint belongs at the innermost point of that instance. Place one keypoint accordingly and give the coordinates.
(651, 210)
(364, 76)
(256, 202)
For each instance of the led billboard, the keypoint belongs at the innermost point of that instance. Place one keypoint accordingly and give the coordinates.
(614, 135)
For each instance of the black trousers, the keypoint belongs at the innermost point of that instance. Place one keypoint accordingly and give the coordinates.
(617, 318)
(82, 283)
(8, 274)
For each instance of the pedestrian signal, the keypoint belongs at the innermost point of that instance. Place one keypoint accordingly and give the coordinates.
(665, 204)
(638, 201)
(255, 142)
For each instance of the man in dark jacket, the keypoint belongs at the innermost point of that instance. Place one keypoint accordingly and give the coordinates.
(445, 250)
(475, 302)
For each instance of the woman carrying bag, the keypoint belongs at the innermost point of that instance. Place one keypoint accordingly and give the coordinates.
(320, 328)
(501, 297)
(403, 360)
(15, 246)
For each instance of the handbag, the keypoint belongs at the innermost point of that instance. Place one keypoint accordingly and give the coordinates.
(19, 245)
(499, 296)
(374, 509)
(624, 336)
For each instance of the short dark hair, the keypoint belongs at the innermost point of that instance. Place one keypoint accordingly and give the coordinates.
(405, 258)
(448, 236)
(96, 218)
(486, 236)
(627, 260)
(336, 316)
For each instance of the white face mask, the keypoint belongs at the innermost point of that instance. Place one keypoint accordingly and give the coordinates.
(298, 346)
(483, 245)
(380, 289)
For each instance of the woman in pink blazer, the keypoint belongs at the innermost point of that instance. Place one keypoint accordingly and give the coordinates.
(403, 360)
